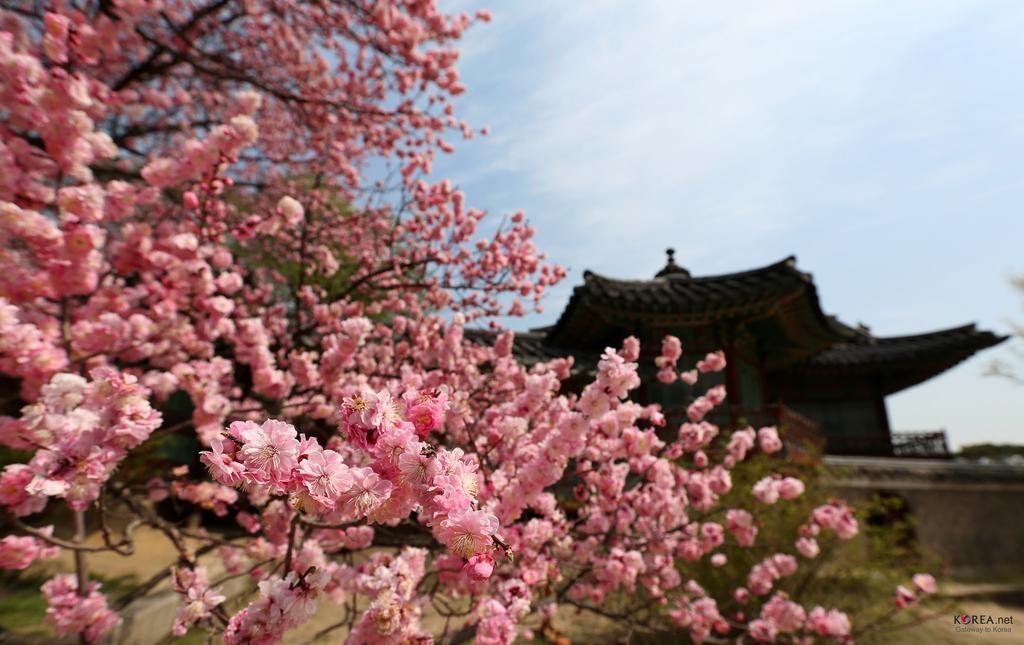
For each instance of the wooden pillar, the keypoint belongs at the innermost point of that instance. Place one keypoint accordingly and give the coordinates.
(885, 438)
(732, 381)
(766, 401)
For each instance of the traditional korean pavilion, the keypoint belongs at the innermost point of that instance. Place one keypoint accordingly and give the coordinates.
(789, 363)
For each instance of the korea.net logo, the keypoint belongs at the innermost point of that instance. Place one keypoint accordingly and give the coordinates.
(982, 623)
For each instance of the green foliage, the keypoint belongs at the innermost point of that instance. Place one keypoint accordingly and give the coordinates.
(995, 451)
(889, 528)
(265, 253)
(858, 576)
(23, 607)
(11, 456)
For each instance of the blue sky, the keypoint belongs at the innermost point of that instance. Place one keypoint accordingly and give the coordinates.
(882, 143)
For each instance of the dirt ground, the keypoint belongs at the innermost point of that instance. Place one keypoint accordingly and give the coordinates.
(154, 552)
(589, 629)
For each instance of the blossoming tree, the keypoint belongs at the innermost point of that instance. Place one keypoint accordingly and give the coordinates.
(229, 200)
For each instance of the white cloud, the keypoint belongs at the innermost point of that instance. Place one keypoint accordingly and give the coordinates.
(636, 106)
(879, 141)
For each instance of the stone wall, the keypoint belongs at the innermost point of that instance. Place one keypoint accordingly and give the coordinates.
(972, 515)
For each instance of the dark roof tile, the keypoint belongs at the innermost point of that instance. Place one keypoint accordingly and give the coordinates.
(866, 350)
(602, 307)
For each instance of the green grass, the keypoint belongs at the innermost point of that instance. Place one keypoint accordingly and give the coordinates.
(22, 606)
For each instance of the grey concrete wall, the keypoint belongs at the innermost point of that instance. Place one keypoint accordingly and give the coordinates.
(972, 515)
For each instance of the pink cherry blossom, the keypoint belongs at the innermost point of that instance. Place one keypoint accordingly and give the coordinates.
(768, 439)
(221, 462)
(325, 476)
(925, 583)
(631, 348)
(763, 631)
(468, 532)
(790, 488)
(713, 362)
(786, 615)
(689, 377)
(69, 613)
(196, 245)
(671, 348)
(766, 490)
(425, 411)
(367, 492)
(268, 451)
(19, 551)
(828, 622)
(741, 524)
(197, 598)
(904, 597)
(808, 547)
(480, 566)
(838, 517)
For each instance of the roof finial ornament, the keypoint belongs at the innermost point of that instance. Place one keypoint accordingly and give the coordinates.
(671, 268)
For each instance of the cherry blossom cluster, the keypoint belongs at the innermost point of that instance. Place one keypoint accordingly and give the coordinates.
(386, 466)
(217, 219)
(282, 603)
(70, 612)
(381, 475)
(390, 582)
(198, 599)
(780, 616)
(19, 551)
(672, 351)
(922, 584)
(27, 351)
(770, 489)
(83, 429)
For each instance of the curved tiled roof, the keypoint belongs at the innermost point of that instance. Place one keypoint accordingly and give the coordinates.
(899, 362)
(674, 292)
(865, 351)
(753, 294)
(777, 302)
(671, 268)
(530, 347)
(779, 299)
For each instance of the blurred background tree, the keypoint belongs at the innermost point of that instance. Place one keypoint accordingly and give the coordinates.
(1013, 368)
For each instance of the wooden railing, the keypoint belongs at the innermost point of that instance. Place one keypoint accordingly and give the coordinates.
(803, 437)
(923, 445)
(919, 445)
